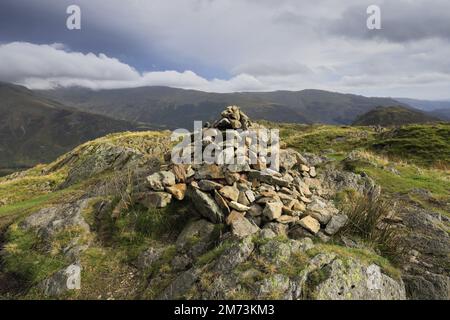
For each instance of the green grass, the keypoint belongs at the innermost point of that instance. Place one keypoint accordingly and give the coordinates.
(421, 144)
(24, 257)
(213, 253)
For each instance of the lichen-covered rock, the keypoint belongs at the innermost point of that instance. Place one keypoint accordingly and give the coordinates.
(62, 281)
(148, 257)
(206, 205)
(234, 255)
(354, 281)
(196, 237)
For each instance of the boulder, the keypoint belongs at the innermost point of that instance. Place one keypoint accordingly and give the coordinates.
(62, 281)
(273, 210)
(196, 238)
(236, 254)
(205, 205)
(310, 224)
(336, 223)
(240, 226)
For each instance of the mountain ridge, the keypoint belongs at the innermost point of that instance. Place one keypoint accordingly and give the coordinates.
(161, 105)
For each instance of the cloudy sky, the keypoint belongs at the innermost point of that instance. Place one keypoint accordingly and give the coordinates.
(230, 45)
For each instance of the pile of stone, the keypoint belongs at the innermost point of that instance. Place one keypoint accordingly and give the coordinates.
(248, 197)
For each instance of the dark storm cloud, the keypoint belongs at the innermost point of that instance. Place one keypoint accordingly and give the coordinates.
(402, 21)
(44, 22)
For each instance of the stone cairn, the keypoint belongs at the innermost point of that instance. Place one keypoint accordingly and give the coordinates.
(249, 197)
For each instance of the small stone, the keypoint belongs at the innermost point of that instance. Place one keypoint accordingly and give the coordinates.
(267, 234)
(155, 199)
(222, 203)
(278, 228)
(242, 199)
(180, 172)
(240, 226)
(178, 191)
(310, 224)
(233, 216)
(208, 185)
(205, 205)
(209, 171)
(148, 257)
(62, 281)
(232, 177)
(250, 195)
(229, 192)
(312, 172)
(305, 199)
(273, 210)
(255, 210)
(159, 180)
(304, 168)
(335, 224)
(285, 219)
(237, 206)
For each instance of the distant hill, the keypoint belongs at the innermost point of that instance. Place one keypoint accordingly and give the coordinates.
(392, 116)
(443, 114)
(426, 105)
(34, 129)
(179, 108)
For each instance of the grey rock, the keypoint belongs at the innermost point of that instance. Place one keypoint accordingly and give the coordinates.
(155, 199)
(180, 286)
(196, 238)
(208, 185)
(181, 262)
(278, 228)
(275, 286)
(234, 255)
(62, 281)
(241, 227)
(255, 210)
(336, 223)
(205, 205)
(275, 251)
(267, 234)
(159, 180)
(148, 257)
(273, 210)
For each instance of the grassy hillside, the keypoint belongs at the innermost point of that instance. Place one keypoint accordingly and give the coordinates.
(393, 116)
(34, 129)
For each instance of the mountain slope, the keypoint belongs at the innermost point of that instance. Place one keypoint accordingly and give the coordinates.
(34, 129)
(392, 116)
(178, 108)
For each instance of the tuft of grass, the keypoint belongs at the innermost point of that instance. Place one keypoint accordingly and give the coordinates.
(213, 253)
(365, 221)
